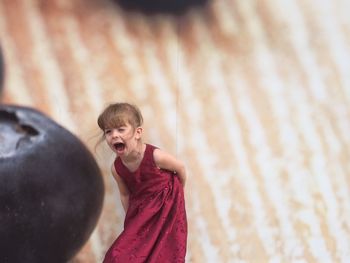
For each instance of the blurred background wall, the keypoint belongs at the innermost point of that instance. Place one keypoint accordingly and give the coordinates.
(253, 95)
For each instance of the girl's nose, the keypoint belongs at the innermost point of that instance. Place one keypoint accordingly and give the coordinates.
(115, 133)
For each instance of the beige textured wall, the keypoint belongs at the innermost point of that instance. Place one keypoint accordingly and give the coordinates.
(252, 95)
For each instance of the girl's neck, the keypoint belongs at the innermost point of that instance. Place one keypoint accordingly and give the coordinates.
(134, 159)
(136, 154)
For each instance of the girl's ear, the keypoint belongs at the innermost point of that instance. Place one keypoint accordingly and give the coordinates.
(139, 131)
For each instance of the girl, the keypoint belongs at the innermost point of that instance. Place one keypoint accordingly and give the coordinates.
(150, 183)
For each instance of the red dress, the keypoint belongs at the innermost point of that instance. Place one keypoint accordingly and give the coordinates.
(155, 226)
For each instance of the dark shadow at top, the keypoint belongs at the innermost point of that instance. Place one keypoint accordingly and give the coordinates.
(150, 7)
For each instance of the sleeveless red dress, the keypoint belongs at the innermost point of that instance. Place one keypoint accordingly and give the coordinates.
(155, 226)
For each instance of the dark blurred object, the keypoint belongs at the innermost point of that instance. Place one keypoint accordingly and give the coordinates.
(51, 189)
(2, 70)
(161, 6)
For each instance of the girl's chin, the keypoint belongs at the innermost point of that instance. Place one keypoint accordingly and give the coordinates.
(120, 152)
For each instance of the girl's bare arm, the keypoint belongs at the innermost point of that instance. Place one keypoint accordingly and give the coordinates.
(168, 162)
(123, 189)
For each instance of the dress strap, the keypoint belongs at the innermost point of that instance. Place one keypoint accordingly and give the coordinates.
(149, 153)
(118, 165)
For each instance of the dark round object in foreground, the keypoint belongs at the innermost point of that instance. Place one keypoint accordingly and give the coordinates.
(161, 6)
(51, 189)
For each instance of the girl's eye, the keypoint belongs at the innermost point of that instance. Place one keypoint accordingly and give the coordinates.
(107, 131)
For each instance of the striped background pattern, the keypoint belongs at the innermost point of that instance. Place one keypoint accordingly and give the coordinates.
(253, 95)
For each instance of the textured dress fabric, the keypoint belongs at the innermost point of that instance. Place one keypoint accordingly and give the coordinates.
(155, 226)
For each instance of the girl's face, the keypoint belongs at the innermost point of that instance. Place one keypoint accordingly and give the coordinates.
(123, 139)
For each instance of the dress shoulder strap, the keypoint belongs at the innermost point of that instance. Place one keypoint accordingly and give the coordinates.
(118, 165)
(149, 152)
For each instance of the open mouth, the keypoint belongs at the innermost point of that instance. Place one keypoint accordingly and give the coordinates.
(119, 146)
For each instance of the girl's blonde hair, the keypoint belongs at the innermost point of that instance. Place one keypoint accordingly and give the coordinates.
(119, 114)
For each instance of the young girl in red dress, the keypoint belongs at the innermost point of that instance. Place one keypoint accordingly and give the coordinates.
(151, 184)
